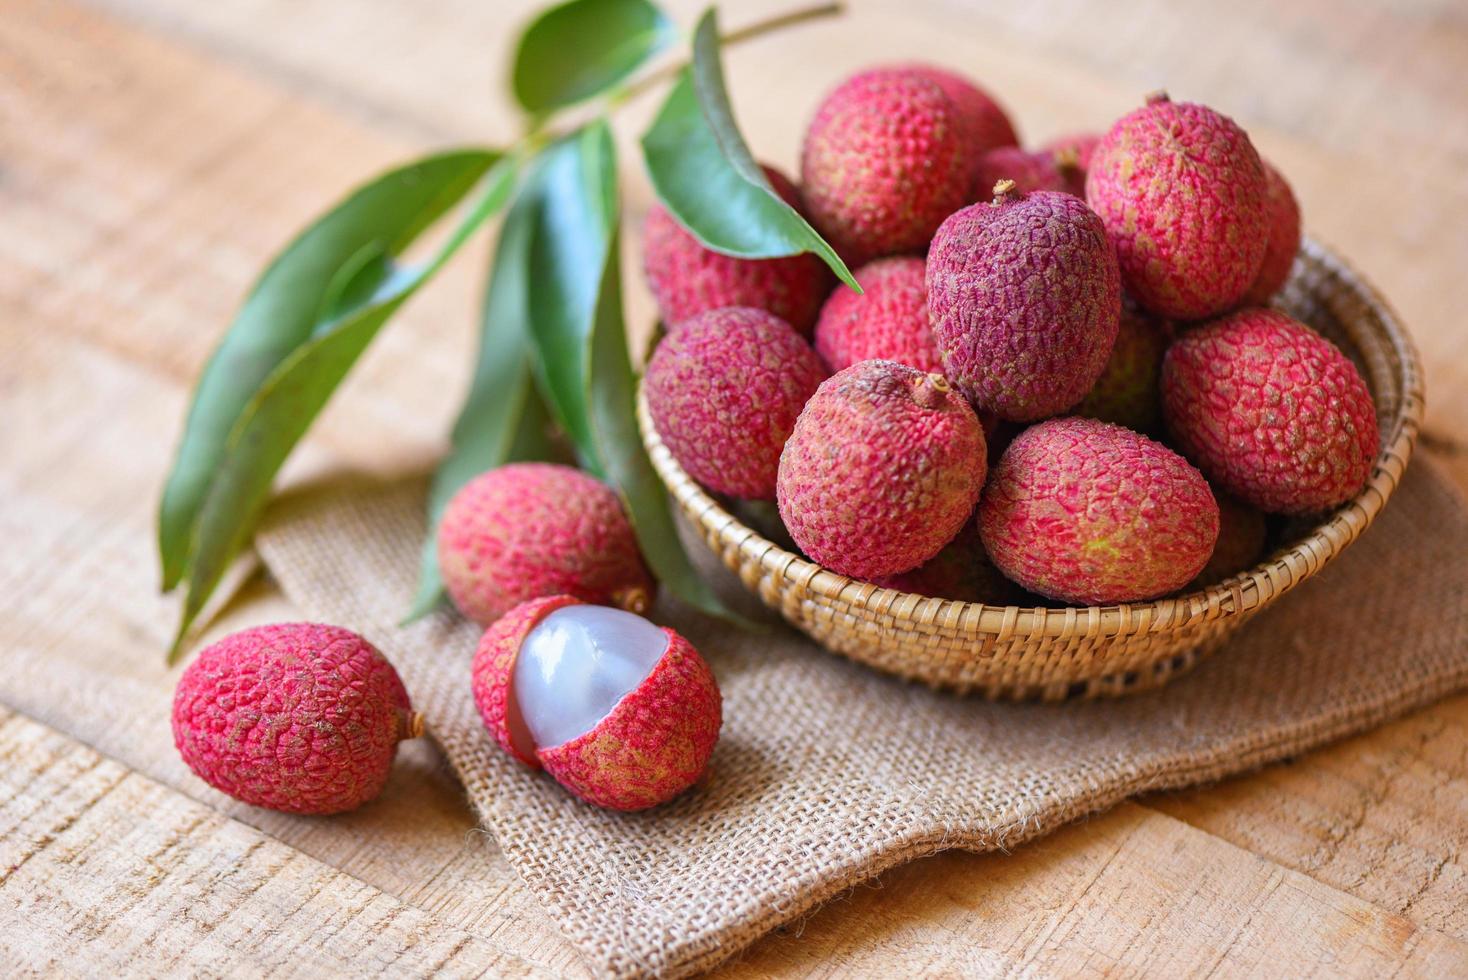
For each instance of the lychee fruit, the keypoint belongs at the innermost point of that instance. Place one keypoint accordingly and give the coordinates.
(1283, 243)
(887, 320)
(296, 717)
(1183, 195)
(1271, 411)
(1092, 513)
(528, 530)
(983, 123)
(687, 278)
(1024, 297)
(883, 163)
(622, 713)
(1079, 145)
(962, 571)
(1042, 170)
(1129, 389)
(1241, 537)
(884, 466)
(724, 390)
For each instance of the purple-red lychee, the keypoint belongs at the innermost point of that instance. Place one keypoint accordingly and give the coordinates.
(1271, 411)
(1042, 170)
(528, 530)
(724, 390)
(1183, 195)
(296, 717)
(884, 466)
(1129, 389)
(688, 278)
(1284, 240)
(622, 713)
(1024, 298)
(962, 571)
(1092, 513)
(887, 320)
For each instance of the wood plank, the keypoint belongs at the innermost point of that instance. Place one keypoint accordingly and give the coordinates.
(142, 881)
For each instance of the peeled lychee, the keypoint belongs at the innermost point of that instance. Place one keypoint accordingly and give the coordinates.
(887, 320)
(1184, 198)
(883, 468)
(1271, 411)
(622, 713)
(1024, 297)
(528, 530)
(961, 571)
(1283, 243)
(1129, 389)
(724, 390)
(1092, 513)
(1044, 170)
(295, 717)
(686, 278)
(883, 163)
(1241, 536)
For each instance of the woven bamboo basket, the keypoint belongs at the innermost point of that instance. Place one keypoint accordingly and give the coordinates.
(1049, 653)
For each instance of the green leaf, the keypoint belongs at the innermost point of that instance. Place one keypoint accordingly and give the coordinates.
(503, 418)
(705, 175)
(334, 264)
(582, 48)
(281, 409)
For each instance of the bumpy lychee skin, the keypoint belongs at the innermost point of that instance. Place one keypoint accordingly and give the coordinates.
(888, 320)
(1241, 537)
(1184, 198)
(1031, 171)
(296, 717)
(883, 163)
(983, 123)
(962, 571)
(686, 278)
(660, 724)
(1284, 240)
(1129, 389)
(1271, 411)
(528, 530)
(1024, 297)
(1092, 513)
(883, 468)
(724, 391)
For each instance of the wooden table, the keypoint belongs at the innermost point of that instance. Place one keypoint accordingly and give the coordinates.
(153, 153)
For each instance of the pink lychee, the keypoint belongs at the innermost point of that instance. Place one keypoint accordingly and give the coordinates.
(887, 320)
(1128, 391)
(1284, 240)
(1041, 170)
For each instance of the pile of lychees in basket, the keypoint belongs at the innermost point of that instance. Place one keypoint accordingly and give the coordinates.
(980, 422)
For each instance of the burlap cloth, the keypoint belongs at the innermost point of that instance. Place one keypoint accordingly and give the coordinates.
(828, 773)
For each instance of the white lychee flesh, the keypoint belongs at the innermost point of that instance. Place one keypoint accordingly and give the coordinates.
(576, 665)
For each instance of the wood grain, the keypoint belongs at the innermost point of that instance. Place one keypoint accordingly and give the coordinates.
(152, 157)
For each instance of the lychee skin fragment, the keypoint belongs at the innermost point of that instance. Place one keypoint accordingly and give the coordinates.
(1024, 298)
(1271, 411)
(1129, 390)
(527, 530)
(1091, 513)
(724, 391)
(883, 163)
(687, 279)
(653, 745)
(1284, 240)
(884, 466)
(296, 717)
(1183, 195)
(888, 320)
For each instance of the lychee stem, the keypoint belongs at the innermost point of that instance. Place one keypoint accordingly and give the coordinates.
(1067, 160)
(634, 599)
(1158, 96)
(1004, 190)
(930, 390)
(410, 725)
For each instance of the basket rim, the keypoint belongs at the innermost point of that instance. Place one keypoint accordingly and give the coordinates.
(1244, 592)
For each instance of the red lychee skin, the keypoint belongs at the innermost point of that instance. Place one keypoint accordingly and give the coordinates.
(1091, 513)
(1241, 536)
(961, 571)
(1284, 240)
(983, 123)
(686, 278)
(1271, 411)
(883, 163)
(724, 391)
(653, 745)
(296, 717)
(1182, 193)
(1129, 389)
(1024, 298)
(888, 320)
(1030, 171)
(884, 466)
(528, 530)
